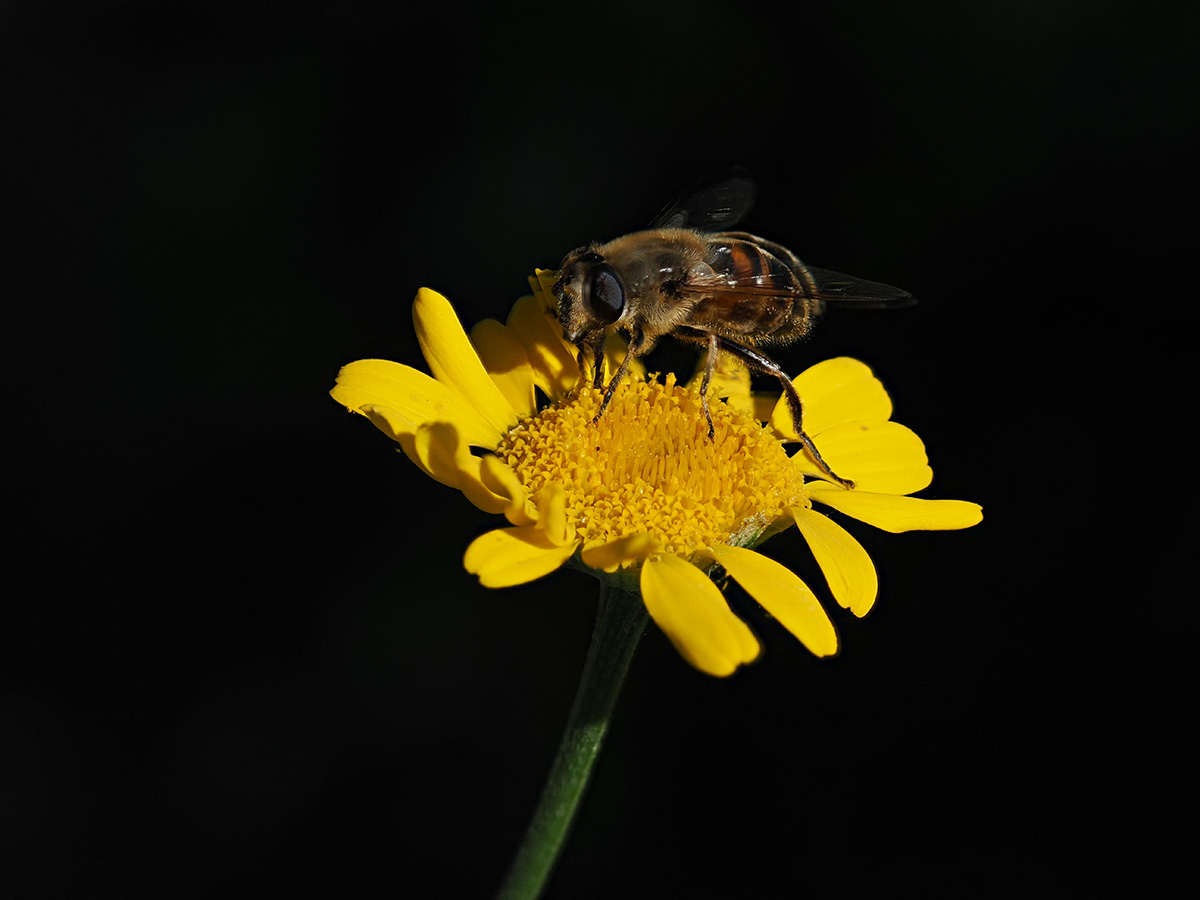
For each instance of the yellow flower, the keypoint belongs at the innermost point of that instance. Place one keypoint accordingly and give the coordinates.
(643, 497)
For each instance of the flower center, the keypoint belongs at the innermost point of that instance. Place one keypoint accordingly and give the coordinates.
(648, 465)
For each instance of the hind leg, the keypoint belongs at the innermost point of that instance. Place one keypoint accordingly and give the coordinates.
(768, 366)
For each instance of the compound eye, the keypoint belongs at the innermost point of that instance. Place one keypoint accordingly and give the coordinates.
(603, 296)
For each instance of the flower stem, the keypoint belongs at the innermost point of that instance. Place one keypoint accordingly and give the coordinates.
(620, 622)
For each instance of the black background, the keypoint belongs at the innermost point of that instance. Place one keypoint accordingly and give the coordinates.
(241, 651)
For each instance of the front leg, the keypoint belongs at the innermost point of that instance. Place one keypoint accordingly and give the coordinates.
(598, 361)
(636, 345)
(768, 366)
(710, 366)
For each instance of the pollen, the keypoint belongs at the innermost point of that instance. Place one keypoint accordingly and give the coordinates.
(649, 466)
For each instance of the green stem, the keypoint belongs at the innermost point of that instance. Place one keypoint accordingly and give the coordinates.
(620, 622)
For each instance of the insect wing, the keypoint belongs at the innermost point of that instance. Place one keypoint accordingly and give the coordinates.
(834, 287)
(712, 205)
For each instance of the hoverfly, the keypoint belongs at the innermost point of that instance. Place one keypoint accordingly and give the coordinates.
(687, 277)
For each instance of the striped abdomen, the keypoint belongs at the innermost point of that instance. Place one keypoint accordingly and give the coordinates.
(754, 295)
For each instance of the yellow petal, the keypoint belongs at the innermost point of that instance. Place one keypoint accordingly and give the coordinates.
(505, 360)
(439, 450)
(435, 446)
(474, 489)
(397, 427)
(898, 514)
(542, 282)
(690, 610)
(762, 406)
(454, 362)
(501, 480)
(885, 457)
(555, 368)
(781, 593)
(833, 392)
(509, 556)
(616, 348)
(407, 398)
(845, 564)
(552, 514)
(611, 555)
(391, 422)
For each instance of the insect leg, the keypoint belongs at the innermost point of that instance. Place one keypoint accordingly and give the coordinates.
(598, 361)
(635, 347)
(596, 345)
(768, 366)
(710, 365)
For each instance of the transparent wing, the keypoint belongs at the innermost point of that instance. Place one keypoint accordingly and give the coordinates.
(834, 287)
(829, 287)
(711, 205)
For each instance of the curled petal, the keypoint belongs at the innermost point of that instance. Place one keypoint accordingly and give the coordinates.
(438, 449)
(552, 514)
(501, 480)
(845, 564)
(834, 392)
(454, 361)
(505, 360)
(896, 514)
(611, 555)
(393, 423)
(406, 398)
(555, 368)
(781, 593)
(690, 610)
(477, 492)
(885, 457)
(435, 450)
(509, 556)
